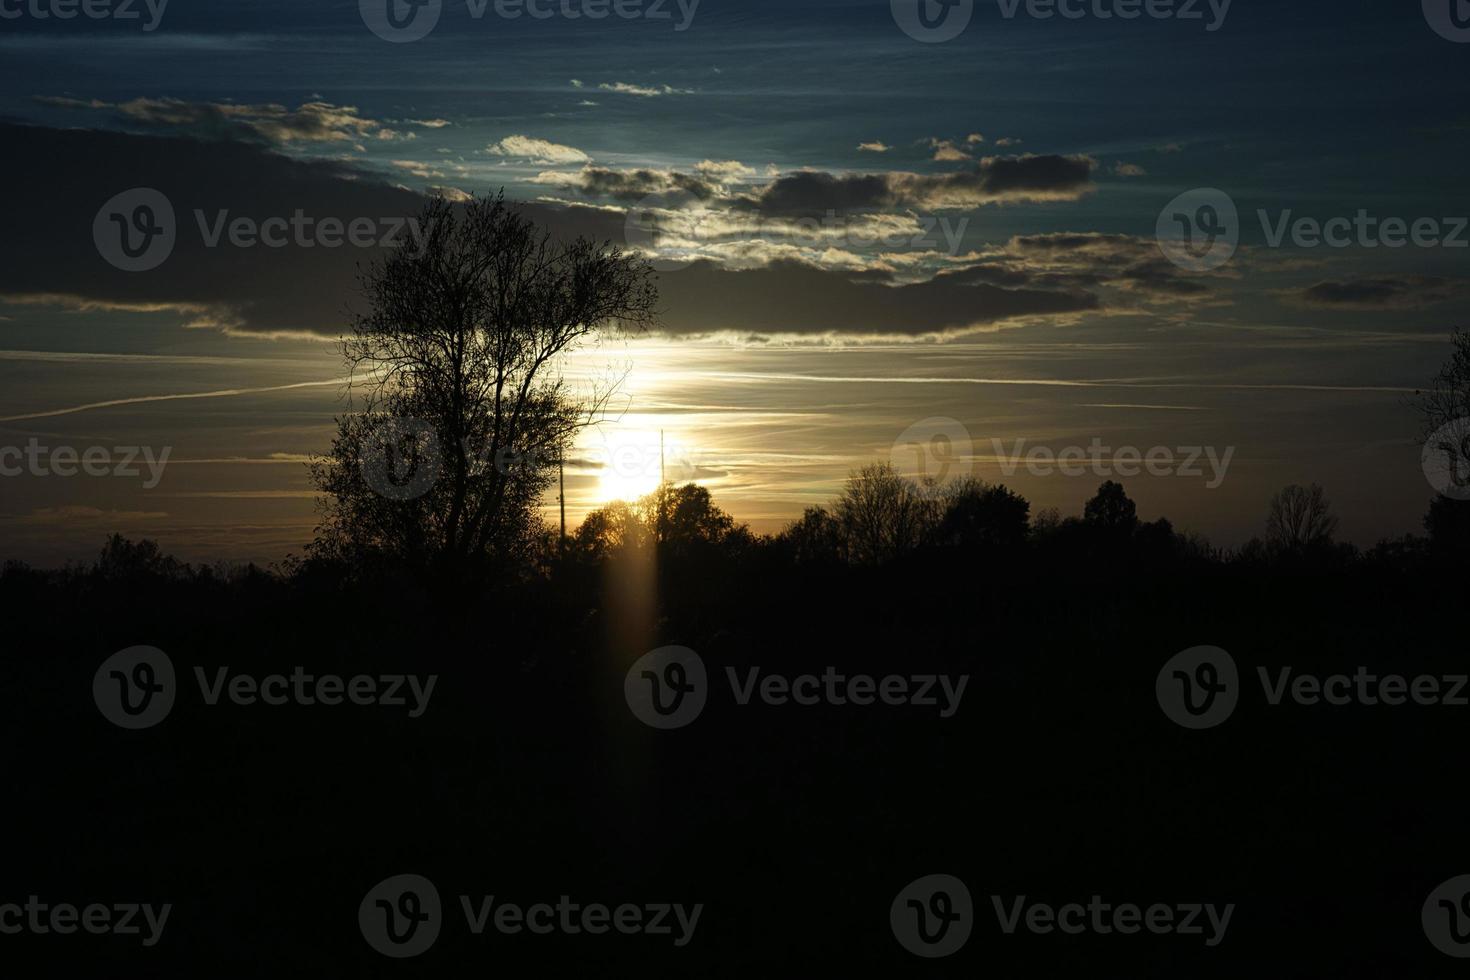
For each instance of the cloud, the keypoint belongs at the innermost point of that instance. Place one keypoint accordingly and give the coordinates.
(811, 287)
(723, 169)
(69, 515)
(538, 150)
(746, 238)
(176, 396)
(794, 298)
(311, 122)
(70, 173)
(415, 167)
(1080, 260)
(1379, 293)
(876, 146)
(430, 123)
(667, 187)
(945, 151)
(806, 193)
(1121, 169)
(449, 193)
(643, 91)
(992, 180)
(1007, 141)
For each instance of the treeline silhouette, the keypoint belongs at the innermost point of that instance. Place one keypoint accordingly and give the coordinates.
(881, 518)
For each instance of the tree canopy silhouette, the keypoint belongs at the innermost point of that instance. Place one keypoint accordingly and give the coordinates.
(466, 412)
(1300, 520)
(882, 514)
(1111, 509)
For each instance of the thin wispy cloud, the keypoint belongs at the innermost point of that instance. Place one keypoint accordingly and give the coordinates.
(643, 91)
(182, 396)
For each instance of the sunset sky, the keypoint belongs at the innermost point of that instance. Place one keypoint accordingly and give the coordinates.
(1016, 174)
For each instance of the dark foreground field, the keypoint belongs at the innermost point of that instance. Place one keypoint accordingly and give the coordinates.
(528, 778)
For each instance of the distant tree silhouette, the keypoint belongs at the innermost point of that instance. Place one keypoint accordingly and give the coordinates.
(1445, 413)
(464, 337)
(977, 514)
(1448, 525)
(615, 527)
(1047, 523)
(1300, 519)
(684, 519)
(816, 538)
(1156, 540)
(1111, 509)
(122, 560)
(681, 521)
(882, 514)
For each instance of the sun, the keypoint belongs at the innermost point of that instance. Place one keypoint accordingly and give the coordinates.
(631, 464)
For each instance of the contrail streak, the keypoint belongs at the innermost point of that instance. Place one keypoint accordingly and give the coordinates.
(222, 393)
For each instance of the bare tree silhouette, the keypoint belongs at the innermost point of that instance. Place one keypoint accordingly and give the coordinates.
(1300, 518)
(1444, 409)
(1447, 399)
(458, 359)
(882, 514)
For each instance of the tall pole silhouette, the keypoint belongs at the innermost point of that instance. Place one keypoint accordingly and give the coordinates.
(561, 476)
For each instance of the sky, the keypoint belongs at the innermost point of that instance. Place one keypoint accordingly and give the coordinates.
(947, 247)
